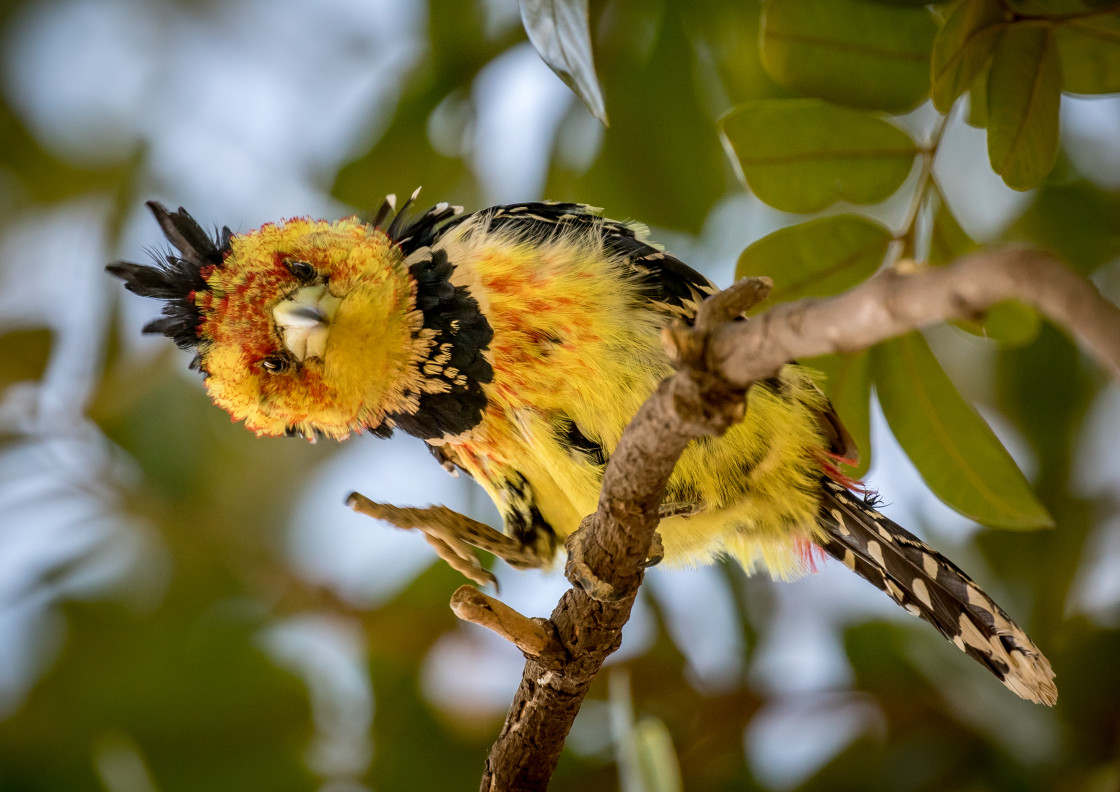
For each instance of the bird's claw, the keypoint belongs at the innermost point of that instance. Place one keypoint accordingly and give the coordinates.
(656, 551)
(459, 556)
(580, 574)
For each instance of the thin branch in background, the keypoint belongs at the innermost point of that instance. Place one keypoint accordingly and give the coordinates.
(896, 301)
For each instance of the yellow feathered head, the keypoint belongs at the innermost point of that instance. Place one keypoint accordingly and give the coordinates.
(313, 327)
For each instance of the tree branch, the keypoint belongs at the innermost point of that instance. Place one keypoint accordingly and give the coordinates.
(895, 302)
(718, 362)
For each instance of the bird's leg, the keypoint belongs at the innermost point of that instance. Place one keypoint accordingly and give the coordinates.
(452, 535)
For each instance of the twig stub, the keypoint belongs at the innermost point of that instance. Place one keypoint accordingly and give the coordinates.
(528, 635)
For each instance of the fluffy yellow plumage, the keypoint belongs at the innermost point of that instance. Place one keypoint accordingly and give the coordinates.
(575, 344)
(518, 342)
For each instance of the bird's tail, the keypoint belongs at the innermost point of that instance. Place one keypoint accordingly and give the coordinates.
(930, 586)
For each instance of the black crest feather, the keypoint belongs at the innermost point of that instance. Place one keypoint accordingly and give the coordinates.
(413, 232)
(175, 277)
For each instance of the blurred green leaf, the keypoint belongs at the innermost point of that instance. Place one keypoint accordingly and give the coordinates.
(947, 240)
(647, 760)
(43, 176)
(404, 159)
(657, 760)
(957, 454)
(1055, 9)
(187, 683)
(847, 381)
(726, 32)
(558, 30)
(1024, 91)
(407, 730)
(850, 51)
(1078, 220)
(660, 159)
(877, 652)
(1090, 54)
(25, 353)
(1091, 658)
(801, 155)
(818, 257)
(978, 101)
(963, 48)
(1011, 322)
(1008, 322)
(435, 103)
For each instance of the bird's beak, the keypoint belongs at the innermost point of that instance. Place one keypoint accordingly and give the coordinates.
(304, 321)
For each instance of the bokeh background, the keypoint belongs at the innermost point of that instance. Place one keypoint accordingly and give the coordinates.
(184, 606)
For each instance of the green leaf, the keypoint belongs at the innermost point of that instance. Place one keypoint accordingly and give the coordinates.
(818, 257)
(1077, 220)
(423, 142)
(978, 101)
(727, 33)
(1011, 323)
(658, 160)
(44, 177)
(25, 353)
(957, 454)
(801, 155)
(1090, 54)
(1008, 322)
(963, 48)
(847, 382)
(1024, 91)
(947, 240)
(560, 32)
(850, 52)
(1055, 9)
(657, 759)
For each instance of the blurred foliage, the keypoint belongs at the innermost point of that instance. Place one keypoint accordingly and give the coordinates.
(150, 651)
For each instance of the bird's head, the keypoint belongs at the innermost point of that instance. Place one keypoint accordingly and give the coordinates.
(301, 327)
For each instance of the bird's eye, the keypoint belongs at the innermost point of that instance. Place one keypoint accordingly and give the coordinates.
(276, 364)
(303, 271)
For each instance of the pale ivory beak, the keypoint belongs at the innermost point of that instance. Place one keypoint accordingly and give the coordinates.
(304, 320)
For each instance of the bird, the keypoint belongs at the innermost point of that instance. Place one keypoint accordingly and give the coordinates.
(517, 342)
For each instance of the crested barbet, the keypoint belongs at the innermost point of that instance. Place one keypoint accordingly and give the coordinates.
(518, 342)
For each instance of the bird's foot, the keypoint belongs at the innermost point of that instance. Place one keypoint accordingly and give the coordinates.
(453, 536)
(581, 575)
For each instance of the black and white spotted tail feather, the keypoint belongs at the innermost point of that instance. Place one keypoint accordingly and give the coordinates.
(930, 586)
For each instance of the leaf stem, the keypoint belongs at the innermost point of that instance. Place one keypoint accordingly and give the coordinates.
(904, 240)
